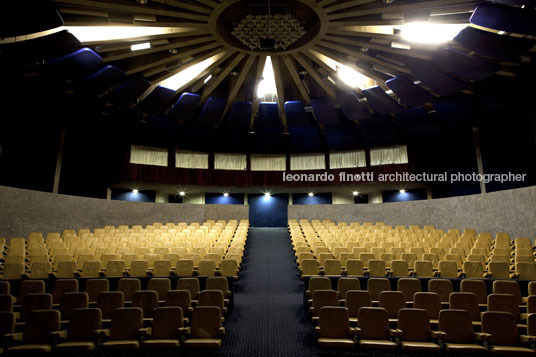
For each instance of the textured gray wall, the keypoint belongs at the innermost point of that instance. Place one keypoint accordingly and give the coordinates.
(24, 211)
(509, 211)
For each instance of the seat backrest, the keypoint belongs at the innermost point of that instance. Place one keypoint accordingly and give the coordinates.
(409, 286)
(465, 301)
(5, 287)
(508, 287)
(6, 302)
(531, 288)
(190, 284)
(161, 268)
(229, 267)
(499, 270)
(83, 324)
(473, 269)
(392, 302)
(95, 286)
(332, 267)
(160, 285)
(206, 322)
(115, 268)
(7, 322)
(126, 321)
(128, 286)
(531, 320)
(71, 301)
(526, 271)
(166, 322)
(211, 298)
(108, 301)
(184, 267)
(138, 268)
(32, 302)
(39, 325)
(62, 286)
(180, 298)
(354, 267)
(374, 323)
(442, 287)
(477, 287)
(457, 325)
(424, 269)
(356, 299)
(345, 284)
(217, 283)
(428, 301)
(90, 269)
(376, 285)
(30, 287)
(333, 322)
(502, 327)
(376, 268)
(147, 300)
(415, 325)
(66, 269)
(504, 302)
(399, 268)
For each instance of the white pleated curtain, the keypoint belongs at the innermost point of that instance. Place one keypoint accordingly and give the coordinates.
(224, 161)
(268, 162)
(389, 155)
(347, 159)
(191, 160)
(307, 162)
(145, 155)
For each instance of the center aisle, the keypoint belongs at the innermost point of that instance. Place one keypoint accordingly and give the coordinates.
(268, 318)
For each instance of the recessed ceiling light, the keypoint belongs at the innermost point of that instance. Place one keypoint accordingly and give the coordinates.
(173, 51)
(140, 46)
(402, 191)
(182, 193)
(135, 191)
(267, 194)
(225, 194)
(310, 194)
(355, 193)
(142, 2)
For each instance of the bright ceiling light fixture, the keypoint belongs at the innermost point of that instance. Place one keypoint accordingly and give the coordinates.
(140, 46)
(106, 33)
(430, 33)
(355, 193)
(225, 194)
(310, 194)
(182, 78)
(267, 84)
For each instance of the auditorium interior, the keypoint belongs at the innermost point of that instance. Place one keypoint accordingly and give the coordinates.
(268, 177)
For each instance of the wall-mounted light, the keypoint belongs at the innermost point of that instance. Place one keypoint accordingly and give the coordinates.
(226, 194)
(135, 191)
(310, 194)
(355, 193)
(402, 191)
(182, 193)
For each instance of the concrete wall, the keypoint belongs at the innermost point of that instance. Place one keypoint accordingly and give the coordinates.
(509, 211)
(24, 211)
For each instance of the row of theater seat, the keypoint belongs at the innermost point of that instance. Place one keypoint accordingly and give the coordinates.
(157, 250)
(379, 250)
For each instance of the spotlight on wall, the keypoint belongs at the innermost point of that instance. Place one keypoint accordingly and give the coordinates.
(135, 191)
(310, 194)
(355, 193)
(402, 191)
(226, 194)
(267, 194)
(182, 193)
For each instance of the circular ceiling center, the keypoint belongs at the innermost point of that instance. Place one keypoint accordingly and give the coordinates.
(253, 26)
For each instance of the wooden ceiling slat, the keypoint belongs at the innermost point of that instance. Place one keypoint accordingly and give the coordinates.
(256, 101)
(291, 67)
(396, 8)
(173, 58)
(408, 53)
(109, 45)
(325, 3)
(183, 5)
(241, 77)
(314, 74)
(361, 55)
(210, 3)
(280, 88)
(347, 5)
(223, 74)
(132, 9)
(157, 49)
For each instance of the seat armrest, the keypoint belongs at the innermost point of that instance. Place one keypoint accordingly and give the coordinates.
(146, 331)
(184, 330)
(12, 337)
(352, 331)
(103, 332)
(311, 310)
(527, 339)
(395, 332)
(481, 336)
(221, 331)
(317, 330)
(56, 335)
(438, 334)
(357, 331)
